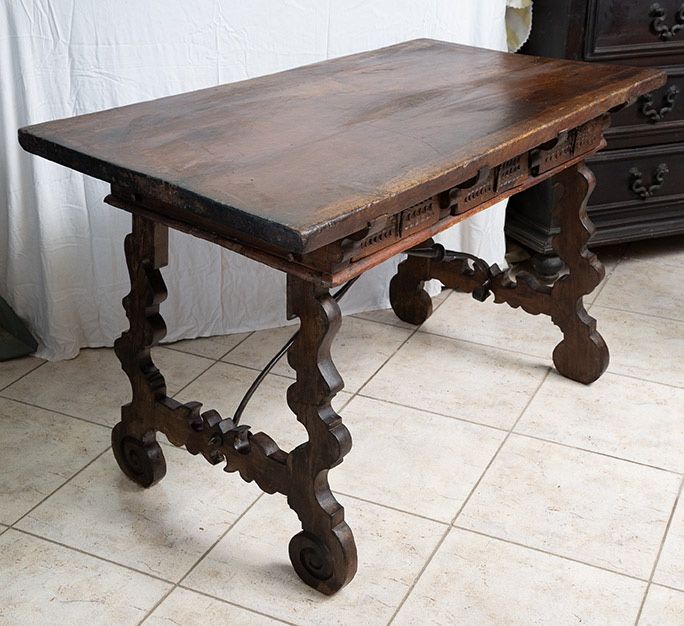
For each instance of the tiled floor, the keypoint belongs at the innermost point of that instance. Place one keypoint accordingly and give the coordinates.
(483, 488)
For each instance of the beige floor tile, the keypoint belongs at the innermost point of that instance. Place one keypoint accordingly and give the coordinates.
(635, 420)
(644, 287)
(163, 530)
(664, 250)
(459, 379)
(382, 465)
(222, 387)
(210, 347)
(43, 583)
(187, 608)
(670, 570)
(585, 506)
(497, 325)
(642, 346)
(250, 565)
(93, 385)
(663, 607)
(384, 316)
(475, 580)
(359, 349)
(16, 368)
(39, 451)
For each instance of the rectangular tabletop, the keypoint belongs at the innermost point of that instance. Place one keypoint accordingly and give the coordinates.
(299, 159)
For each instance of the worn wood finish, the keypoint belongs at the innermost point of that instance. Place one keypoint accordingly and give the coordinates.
(302, 158)
(323, 172)
(582, 355)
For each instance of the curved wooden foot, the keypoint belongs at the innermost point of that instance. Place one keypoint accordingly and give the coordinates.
(140, 459)
(410, 302)
(324, 554)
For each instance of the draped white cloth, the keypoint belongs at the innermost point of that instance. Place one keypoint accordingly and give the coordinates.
(61, 248)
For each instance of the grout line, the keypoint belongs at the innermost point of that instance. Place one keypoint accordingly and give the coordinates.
(549, 553)
(501, 445)
(184, 387)
(436, 413)
(660, 551)
(170, 346)
(199, 560)
(239, 606)
(33, 369)
(56, 412)
(466, 500)
(249, 334)
(491, 347)
(604, 454)
(54, 491)
(521, 434)
(643, 380)
(670, 587)
(252, 368)
(91, 555)
(632, 311)
(391, 508)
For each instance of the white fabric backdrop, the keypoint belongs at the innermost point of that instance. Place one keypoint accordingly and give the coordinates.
(61, 249)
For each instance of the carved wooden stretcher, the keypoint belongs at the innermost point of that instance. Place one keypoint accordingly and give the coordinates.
(324, 172)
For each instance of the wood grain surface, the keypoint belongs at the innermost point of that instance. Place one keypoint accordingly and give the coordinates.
(299, 159)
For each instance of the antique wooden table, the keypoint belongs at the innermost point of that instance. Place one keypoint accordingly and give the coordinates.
(323, 172)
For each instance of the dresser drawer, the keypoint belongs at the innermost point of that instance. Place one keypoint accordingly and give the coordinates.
(638, 178)
(641, 28)
(655, 118)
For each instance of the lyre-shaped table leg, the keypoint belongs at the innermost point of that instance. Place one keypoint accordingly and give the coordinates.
(134, 438)
(324, 553)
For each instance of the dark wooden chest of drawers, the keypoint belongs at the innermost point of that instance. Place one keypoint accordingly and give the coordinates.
(640, 176)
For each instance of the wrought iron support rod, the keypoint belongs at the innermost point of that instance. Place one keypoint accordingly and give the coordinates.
(337, 296)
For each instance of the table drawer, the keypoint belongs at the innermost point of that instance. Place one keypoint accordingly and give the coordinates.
(619, 29)
(638, 178)
(655, 118)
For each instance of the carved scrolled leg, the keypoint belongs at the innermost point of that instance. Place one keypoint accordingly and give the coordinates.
(583, 354)
(410, 302)
(134, 438)
(324, 553)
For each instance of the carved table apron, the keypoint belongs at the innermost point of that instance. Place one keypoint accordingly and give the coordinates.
(324, 172)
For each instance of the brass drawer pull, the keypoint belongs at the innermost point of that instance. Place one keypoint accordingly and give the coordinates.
(637, 181)
(653, 114)
(658, 25)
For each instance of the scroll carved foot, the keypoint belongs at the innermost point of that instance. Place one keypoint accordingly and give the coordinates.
(140, 459)
(324, 553)
(410, 302)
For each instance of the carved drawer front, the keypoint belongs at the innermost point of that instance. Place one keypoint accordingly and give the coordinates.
(640, 28)
(638, 178)
(387, 230)
(657, 117)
